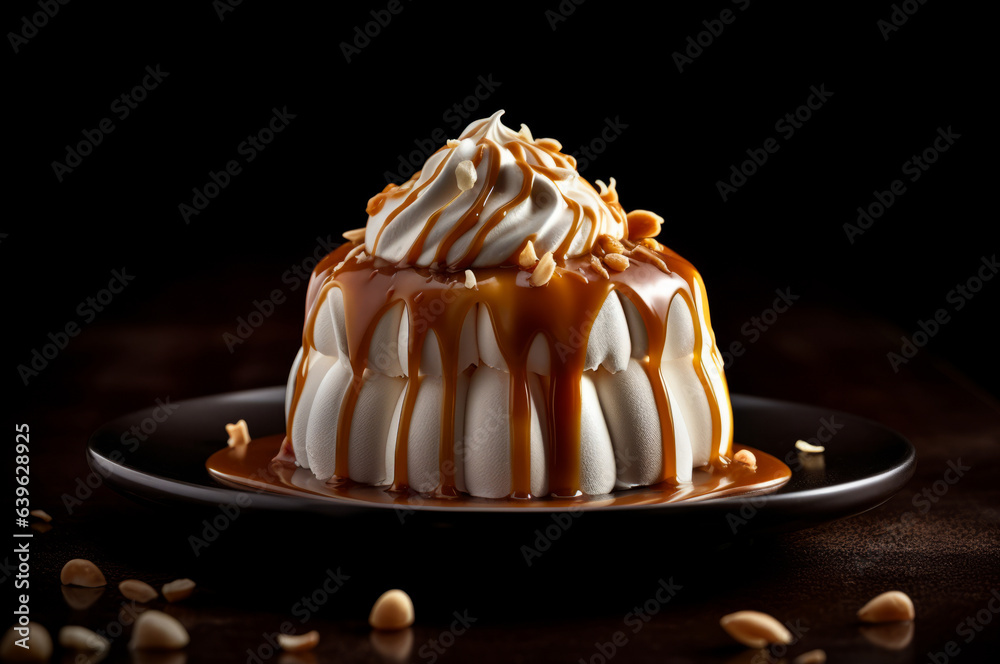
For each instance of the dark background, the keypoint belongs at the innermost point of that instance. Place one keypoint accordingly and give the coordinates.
(164, 336)
(784, 228)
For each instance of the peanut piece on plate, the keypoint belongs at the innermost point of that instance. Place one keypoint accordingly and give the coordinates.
(239, 434)
(803, 446)
(746, 458)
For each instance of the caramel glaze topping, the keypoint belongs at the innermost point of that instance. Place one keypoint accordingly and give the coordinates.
(519, 313)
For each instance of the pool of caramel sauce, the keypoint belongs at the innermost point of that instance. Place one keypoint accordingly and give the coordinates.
(253, 466)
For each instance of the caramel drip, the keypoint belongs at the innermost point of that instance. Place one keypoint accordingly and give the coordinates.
(446, 443)
(414, 192)
(418, 245)
(718, 401)
(474, 129)
(562, 312)
(562, 160)
(400, 480)
(469, 221)
(578, 213)
(565, 399)
(453, 318)
(359, 337)
(471, 217)
(376, 202)
(317, 283)
(320, 274)
(654, 308)
(527, 179)
(520, 431)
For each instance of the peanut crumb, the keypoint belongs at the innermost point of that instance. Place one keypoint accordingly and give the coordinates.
(465, 173)
(803, 446)
(890, 606)
(239, 434)
(83, 573)
(811, 657)
(393, 610)
(156, 630)
(354, 235)
(643, 224)
(616, 261)
(755, 629)
(140, 591)
(607, 191)
(298, 642)
(652, 258)
(528, 257)
(82, 640)
(595, 263)
(543, 271)
(653, 245)
(470, 279)
(177, 590)
(611, 245)
(35, 647)
(746, 458)
(350, 254)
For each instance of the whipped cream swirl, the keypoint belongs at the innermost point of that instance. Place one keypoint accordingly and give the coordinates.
(447, 217)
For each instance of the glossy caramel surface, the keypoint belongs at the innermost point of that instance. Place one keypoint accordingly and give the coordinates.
(559, 312)
(254, 466)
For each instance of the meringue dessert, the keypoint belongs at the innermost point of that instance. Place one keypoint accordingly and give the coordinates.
(502, 328)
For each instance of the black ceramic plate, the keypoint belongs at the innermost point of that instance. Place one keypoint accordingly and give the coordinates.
(159, 457)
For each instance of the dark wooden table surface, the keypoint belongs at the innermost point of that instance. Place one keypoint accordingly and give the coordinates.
(938, 542)
(610, 82)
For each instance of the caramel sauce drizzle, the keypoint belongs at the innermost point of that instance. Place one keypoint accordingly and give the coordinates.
(527, 179)
(562, 312)
(413, 190)
(471, 217)
(528, 169)
(255, 466)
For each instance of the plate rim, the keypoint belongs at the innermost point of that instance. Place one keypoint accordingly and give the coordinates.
(127, 478)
